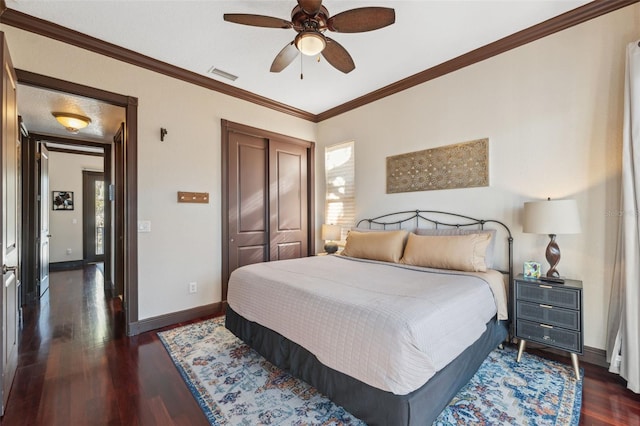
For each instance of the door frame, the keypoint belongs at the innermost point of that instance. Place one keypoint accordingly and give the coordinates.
(228, 127)
(129, 210)
(88, 176)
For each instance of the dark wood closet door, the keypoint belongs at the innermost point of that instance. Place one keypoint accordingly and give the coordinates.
(248, 226)
(288, 201)
(267, 197)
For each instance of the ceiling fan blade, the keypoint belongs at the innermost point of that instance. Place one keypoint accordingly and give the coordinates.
(362, 19)
(310, 7)
(284, 58)
(338, 56)
(257, 20)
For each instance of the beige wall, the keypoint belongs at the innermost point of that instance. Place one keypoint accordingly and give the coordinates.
(184, 242)
(65, 226)
(552, 111)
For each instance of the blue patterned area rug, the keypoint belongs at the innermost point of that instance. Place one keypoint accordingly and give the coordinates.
(234, 385)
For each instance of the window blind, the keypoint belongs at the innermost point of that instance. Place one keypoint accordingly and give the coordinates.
(340, 203)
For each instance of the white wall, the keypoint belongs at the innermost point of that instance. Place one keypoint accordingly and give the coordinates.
(552, 111)
(65, 226)
(184, 243)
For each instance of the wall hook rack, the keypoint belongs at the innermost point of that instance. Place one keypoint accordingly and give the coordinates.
(163, 133)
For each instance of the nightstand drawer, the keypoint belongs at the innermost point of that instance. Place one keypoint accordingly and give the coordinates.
(547, 314)
(548, 295)
(552, 336)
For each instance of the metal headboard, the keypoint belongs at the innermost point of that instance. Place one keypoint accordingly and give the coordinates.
(440, 219)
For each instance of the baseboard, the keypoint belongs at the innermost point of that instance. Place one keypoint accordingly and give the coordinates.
(64, 266)
(589, 355)
(173, 318)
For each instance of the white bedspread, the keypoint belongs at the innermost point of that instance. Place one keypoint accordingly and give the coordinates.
(390, 326)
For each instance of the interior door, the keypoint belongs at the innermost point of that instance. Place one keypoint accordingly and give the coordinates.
(267, 200)
(288, 230)
(9, 197)
(44, 234)
(248, 202)
(120, 161)
(93, 216)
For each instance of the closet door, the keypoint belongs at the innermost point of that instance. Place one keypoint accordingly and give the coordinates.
(288, 206)
(267, 200)
(248, 200)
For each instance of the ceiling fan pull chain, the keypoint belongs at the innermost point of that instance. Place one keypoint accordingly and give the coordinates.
(301, 74)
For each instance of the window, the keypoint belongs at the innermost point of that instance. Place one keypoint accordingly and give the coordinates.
(340, 207)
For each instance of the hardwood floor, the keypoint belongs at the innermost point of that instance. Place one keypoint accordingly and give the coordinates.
(77, 367)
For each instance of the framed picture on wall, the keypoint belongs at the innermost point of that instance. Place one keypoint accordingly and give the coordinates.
(62, 200)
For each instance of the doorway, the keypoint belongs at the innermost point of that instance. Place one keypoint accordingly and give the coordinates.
(93, 217)
(125, 229)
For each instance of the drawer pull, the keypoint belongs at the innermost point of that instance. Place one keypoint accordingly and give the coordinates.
(546, 306)
(545, 286)
(546, 326)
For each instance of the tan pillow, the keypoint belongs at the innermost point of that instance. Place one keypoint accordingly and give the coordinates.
(385, 246)
(458, 252)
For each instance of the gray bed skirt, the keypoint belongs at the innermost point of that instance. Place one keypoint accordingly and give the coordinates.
(372, 405)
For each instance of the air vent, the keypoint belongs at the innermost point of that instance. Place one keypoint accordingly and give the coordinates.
(216, 71)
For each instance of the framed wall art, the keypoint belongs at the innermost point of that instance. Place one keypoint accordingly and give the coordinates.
(62, 200)
(463, 165)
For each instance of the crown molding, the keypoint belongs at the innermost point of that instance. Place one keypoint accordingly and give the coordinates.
(569, 19)
(561, 22)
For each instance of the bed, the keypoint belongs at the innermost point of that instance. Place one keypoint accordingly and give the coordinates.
(395, 326)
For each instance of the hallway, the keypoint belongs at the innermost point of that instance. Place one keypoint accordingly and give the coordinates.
(77, 367)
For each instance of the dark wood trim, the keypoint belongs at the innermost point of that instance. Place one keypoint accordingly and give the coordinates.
(43, 137)
(73, 151)
(64, 266)
(89, 178)
(57, 32)
(228, 127)
(108, 230)
(131, 212)
(130, 255)
(30, 228)
(569, 19)
(173, 318)
(38, 80)
(225, 128)
(260, 133)
(561, 22)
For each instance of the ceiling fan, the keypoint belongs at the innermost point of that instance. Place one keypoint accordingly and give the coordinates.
(311, 19)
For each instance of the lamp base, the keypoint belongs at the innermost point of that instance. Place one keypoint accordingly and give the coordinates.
(555, 280)
(331, 248)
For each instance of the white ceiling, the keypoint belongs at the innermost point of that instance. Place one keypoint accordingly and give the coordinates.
(35, 106)
(192, 35)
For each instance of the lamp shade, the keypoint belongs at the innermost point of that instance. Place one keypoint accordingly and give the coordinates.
(331, 232)
(72, 122)
(551, 217)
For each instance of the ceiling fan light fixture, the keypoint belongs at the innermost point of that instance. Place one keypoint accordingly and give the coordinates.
(72, 122)
(310, 43)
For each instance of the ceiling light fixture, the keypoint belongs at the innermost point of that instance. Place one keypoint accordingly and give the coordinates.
(72, 122)
(310, 43)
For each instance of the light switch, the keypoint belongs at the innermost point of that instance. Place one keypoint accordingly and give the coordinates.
(144, 226)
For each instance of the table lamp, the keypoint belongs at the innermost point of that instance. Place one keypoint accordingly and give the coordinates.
(551, 217)
(331, 234)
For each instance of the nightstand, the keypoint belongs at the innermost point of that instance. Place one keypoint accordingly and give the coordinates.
(550, 314)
